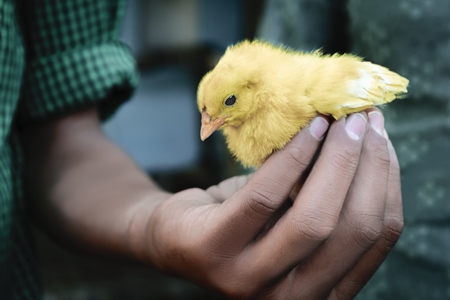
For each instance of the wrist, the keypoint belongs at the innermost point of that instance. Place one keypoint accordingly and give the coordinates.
(140, 236)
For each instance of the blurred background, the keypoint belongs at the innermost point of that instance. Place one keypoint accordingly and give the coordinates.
(176, 41)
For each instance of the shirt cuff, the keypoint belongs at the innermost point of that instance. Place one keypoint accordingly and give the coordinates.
(103, 75)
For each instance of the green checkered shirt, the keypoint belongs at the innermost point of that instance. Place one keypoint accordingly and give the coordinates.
(56, 56)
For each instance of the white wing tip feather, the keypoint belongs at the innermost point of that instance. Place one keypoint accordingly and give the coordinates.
(376, 85)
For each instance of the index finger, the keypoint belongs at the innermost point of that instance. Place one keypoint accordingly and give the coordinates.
(250, 208)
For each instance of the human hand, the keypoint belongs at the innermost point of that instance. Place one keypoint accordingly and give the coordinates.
(327, 243)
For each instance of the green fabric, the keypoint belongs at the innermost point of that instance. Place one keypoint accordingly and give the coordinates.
(55, 57)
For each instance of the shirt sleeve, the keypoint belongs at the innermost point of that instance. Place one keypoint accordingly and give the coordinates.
(74, 58)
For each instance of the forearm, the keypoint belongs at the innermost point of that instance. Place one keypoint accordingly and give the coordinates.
(83, 189)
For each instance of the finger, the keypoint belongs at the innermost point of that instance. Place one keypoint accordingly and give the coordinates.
(301, 181)
(316, 210)
(359, 226)
(228, 187)
(245, 213)
(392, 229)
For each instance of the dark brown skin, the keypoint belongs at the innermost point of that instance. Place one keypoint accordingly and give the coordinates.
(326, 244)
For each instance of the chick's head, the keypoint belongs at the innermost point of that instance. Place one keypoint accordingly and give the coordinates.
(227, 96)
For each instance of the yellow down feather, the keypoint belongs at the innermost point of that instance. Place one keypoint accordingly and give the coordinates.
(279, 91)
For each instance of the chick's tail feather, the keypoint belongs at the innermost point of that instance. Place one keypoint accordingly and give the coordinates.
(375, 85)
(386, 86)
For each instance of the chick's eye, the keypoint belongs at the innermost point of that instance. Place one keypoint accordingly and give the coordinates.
(230, 100)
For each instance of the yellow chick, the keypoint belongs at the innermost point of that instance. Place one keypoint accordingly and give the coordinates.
(261, 95)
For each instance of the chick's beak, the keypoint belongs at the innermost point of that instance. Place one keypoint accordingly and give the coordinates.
(209, 125)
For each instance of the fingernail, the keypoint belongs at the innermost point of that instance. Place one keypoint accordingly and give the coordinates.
(356, 125)
(318, 127)
(376, 121)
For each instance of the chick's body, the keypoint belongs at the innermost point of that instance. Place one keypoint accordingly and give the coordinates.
(275, 92)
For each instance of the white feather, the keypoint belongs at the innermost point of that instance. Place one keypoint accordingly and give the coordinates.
(361, 86)
(380, 72)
